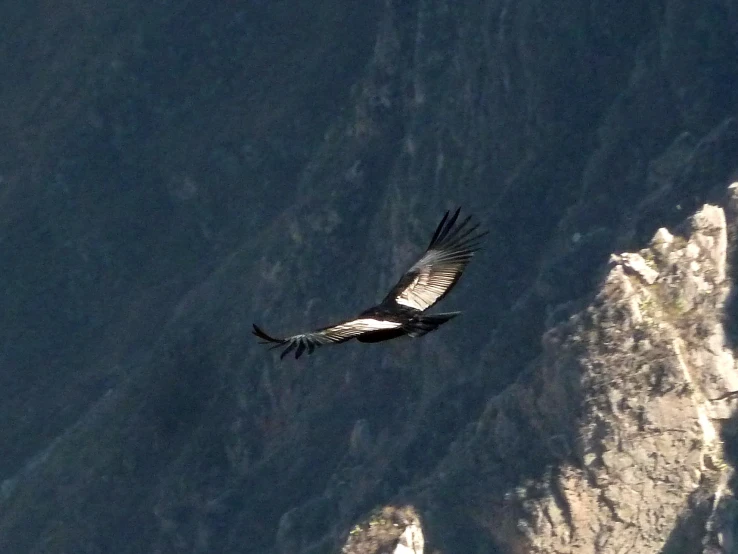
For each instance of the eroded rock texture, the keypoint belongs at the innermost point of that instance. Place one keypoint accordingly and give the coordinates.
(172, 172)
(629, 455)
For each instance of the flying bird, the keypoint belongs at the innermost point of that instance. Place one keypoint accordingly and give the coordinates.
(402, 312)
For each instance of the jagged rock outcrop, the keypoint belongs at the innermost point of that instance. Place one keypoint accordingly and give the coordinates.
(612, 441)
(624, 386)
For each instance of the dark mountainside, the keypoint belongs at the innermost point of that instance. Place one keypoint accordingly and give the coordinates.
(172, 172)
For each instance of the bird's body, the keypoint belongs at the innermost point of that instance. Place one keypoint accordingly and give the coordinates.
(404, 321)
(402, 310)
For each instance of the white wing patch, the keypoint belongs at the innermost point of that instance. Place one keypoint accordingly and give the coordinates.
(437, 271)
(437, 274)
(329, 335)
(354, 328)
(376, 324)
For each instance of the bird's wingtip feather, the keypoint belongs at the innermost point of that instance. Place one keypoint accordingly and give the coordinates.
(263, 335)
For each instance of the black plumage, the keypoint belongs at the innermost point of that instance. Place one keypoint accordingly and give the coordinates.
(402, 311)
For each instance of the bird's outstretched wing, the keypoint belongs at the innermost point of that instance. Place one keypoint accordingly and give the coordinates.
(437, 271)
(334, 334)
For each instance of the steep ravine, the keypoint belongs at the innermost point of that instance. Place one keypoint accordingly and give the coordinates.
(171, 173)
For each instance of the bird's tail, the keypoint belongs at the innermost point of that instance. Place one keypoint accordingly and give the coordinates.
(422, 324)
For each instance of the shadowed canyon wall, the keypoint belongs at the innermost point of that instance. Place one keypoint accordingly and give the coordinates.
(172, 173)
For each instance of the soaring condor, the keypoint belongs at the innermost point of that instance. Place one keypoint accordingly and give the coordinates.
(402, 312)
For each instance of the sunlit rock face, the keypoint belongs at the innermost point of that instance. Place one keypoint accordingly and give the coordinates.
(171, 174)
(621, 404)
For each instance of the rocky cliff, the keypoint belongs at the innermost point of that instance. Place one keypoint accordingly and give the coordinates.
(171, 174)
